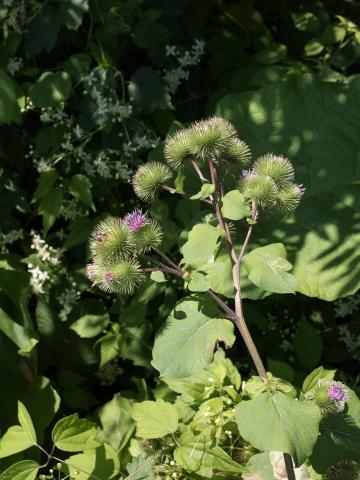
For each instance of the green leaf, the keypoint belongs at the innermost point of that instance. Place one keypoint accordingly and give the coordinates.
(17, 333)
(206, 190)
(9, 109)
(260, 464)
(141, 468)
(73, 434)
(79, 231)
(155, 419)
(340, 437)
(308, 344)
(110, 346)
(72, 11)
(26, 422)
(306, 22)
(80, 187)
(234, 206)
(51, 89)
(282, 424)
(43, 402)
(50, 206)
(313, 47)
(14, 440)
(193, 326)
(158, 277)
(272, 54)
(196, 454)
(116, 421)
(42, 30)
(147, 89)
(312, 379)
(202, 245)
(99, 463)
(268, 267)
(24, 470)
(90, 326)
(45, 183)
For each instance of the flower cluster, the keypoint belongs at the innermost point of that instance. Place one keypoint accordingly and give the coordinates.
(45, 259)
(270, 184)
(116, 246)
(185, 61)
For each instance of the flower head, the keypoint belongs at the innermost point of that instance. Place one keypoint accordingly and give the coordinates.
(149, 178)
(136, 220)
(338, 393)
(331, 396)
(110, 240)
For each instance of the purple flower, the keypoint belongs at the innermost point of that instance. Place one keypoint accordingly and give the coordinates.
(108, 278)
(338, 393)
(135, 220)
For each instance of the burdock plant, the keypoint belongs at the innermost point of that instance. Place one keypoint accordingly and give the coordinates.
(125, 250)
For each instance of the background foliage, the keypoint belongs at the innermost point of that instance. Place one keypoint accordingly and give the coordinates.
(89, 90)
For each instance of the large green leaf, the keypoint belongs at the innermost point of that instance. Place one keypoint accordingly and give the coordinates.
(147, 89)
(24, 470)
(187, 342)
(117, 424)
(97, 463)
(234, 206)
(155, 419)
(282, 424)
(268, 269)
(73, 434)
(9, 109)
(51, 89)
(14, 440)
(284, 118)
(26, 422)
(72, 11)
(17, 333)
(202, 245)
(89, 326)
(50, 206)
(340, 437)
(308, 344)
(196, 454)
(80, 187)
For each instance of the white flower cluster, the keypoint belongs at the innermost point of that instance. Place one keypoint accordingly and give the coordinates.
(139, 143)
(190, 58)
(14, 65)
(346, 306)
(108, 107)
(45, 252)
(38, 278)
(67, 299)
(49, 256)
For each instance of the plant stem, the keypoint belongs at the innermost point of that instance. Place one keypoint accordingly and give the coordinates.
(173, 190)
(168, 260)
(198, 171)
(164, 267)
(289, 466)
(230, 313)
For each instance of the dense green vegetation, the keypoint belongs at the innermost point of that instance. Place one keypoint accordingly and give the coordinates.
(89, 91)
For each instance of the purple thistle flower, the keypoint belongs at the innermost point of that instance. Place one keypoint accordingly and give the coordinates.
(337, 393)
(135, 220)
(109, 278)
(300, 189)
